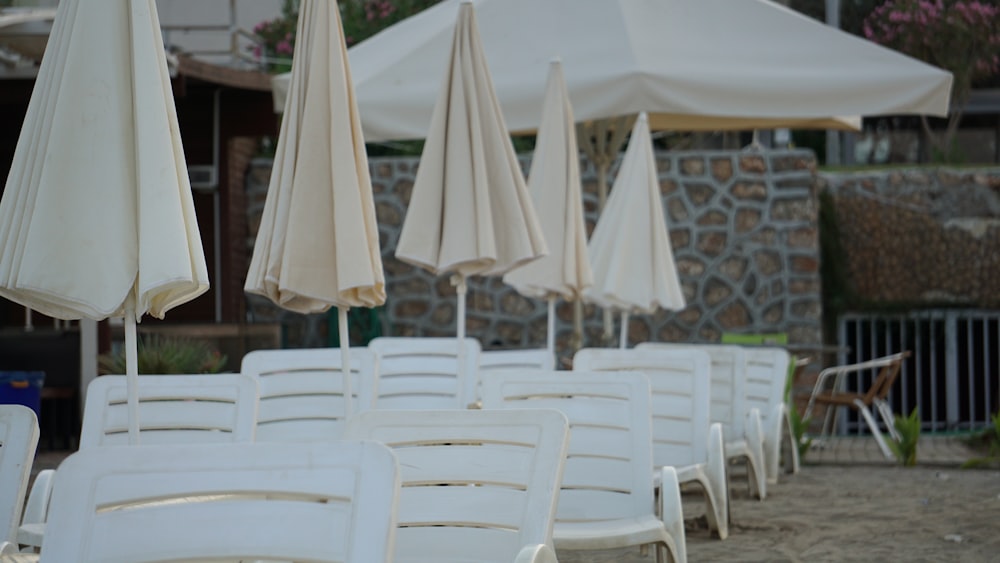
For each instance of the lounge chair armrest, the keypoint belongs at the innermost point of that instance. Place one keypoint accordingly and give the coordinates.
(539, 553)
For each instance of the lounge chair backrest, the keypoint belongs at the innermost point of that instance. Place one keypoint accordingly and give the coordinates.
(530, 358)
(728, 368)
(173, 409)
(477, 485)
(302, 391)
(18, 441)
(681, 395)
(322, 502)
(608, 470)
(425, 373)
(766, 377)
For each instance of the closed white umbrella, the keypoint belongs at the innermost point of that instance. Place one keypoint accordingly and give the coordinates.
(318, 246)
(634, 270)
(97, 218)
(470, 211)
(554, 184)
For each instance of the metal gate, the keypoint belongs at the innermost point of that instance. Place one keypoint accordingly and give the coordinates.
(953, 376)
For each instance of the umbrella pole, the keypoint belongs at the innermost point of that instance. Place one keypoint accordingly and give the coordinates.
(132, 374)
(345, 359)
(551, 339)
(623, 342)
(602, 192)
(458, 280)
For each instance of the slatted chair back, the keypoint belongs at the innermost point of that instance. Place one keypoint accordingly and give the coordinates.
(728, 369)
(681, 394)
(606, 500)
(302, 392)
(425, 373)
(767, 375)
(477, 485)
(322, 502)
(18, 441)
(173, 409)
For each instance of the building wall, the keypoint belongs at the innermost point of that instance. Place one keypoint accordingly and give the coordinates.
(745, 238)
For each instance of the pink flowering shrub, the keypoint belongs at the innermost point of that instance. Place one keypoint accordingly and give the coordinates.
(361, 19)
(962, 37)
(275, 39)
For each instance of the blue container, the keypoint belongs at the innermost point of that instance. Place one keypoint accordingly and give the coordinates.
(22, 388)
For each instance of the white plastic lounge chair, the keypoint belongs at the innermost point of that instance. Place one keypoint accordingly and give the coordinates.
(741, 426)
(606, 500)
(477, 485)
(829, 391)
(425, 373)
(302, 391)
(322, 502)
(683, 434)
(18, 440)
(767, 376)
(173, 409)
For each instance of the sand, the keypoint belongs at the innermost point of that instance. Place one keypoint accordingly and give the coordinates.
(850, 513)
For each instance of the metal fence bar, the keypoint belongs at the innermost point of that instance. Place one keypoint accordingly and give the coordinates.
(951, 378)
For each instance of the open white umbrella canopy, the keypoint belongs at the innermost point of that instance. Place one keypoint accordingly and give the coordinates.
(470, 211)
(97, 218)
(630, 248)
(317, 246)
(692, 64)
(554, 185)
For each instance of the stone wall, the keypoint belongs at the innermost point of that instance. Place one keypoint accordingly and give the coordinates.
(745, 238)
(920, 237)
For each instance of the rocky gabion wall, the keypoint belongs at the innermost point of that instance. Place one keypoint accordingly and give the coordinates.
(920, 237)
(745, 238)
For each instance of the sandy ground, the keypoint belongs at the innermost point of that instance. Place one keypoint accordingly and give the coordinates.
(849, 513)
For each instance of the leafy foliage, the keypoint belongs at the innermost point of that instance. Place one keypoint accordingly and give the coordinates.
(989, 440)
(163, 355)
(360, 19)
(799, 428)
(959, 36)
(905, 448)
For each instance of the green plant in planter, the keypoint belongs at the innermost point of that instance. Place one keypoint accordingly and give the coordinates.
(167, 355)
(909, 434)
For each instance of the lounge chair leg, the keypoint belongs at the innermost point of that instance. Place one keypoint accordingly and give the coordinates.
(756, 472)
(792, 461)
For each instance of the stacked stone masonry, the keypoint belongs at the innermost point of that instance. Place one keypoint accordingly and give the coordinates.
(744, 227)
(920, 238)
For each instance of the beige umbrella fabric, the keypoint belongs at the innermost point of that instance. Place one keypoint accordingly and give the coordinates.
(692, 64)
(630, 249)
(554, 185)
(317, 246)
(470, 211)
(97, 218)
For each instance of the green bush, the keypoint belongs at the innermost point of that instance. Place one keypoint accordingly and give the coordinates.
(989, 442)
(167, 355)
(909, 434)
